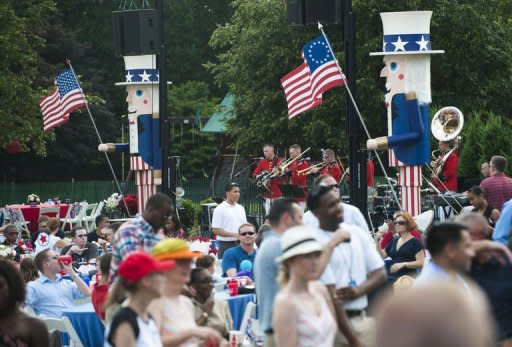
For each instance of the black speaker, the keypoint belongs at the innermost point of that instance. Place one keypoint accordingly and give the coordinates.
(302, 12)
(207, 215)
(325, 11)
(136, 32)
(295, 12)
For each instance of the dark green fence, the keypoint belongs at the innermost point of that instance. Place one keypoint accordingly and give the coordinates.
(93, 191)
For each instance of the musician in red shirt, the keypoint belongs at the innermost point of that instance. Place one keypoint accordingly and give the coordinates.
(269, 161)
(331, 166)
(448, 161)
(295, 175)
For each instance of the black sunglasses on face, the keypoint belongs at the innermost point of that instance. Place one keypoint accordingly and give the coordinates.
(249, 233)
(400, 222)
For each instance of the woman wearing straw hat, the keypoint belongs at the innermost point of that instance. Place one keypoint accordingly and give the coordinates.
(141, 276)
(173, 312)
(303, 310)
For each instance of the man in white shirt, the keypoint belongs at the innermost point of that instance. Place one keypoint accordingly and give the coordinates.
(351, 214)
(227, 219)
(355, 268)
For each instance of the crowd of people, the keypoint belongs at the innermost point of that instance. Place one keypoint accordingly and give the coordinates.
(321, 277)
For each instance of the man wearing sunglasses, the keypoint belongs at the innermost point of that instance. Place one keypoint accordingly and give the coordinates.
(80, 250)
(233, 257)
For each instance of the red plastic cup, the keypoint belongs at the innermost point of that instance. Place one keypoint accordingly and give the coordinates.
(65, 259)
(233, 287)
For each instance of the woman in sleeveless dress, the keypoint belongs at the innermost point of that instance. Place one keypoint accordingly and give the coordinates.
(405, 250)
(174, 312)
(140, 274)
(303, 311)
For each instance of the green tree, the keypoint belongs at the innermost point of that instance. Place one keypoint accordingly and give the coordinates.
(485, 134)
(22, 28)
(196, 149)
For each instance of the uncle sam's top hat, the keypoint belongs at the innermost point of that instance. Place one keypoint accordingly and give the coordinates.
(406, 33)
(140, 69)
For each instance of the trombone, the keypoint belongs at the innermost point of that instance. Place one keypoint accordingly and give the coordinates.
(310, 169)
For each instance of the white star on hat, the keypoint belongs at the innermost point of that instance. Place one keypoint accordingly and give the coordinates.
(145, 76)
(399, 44)
(129, 77)
(423, 44)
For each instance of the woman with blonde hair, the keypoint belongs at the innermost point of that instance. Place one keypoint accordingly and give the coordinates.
(405, 250)
(303, 310)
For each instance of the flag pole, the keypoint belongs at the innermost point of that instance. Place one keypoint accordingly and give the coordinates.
(321, 28)
(68, 62)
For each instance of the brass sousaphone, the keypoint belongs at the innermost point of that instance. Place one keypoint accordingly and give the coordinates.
(446, 126)
(447, 123)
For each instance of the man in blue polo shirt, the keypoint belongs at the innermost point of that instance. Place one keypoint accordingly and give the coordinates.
(233, 257)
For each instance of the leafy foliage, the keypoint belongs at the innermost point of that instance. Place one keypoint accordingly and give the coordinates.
(196, 149)
(485, 135)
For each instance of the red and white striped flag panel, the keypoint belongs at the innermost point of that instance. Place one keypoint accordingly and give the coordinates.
(66, 98)
(137, 164)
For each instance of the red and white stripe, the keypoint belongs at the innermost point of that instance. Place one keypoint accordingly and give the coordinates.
(143, 181)
(145, 187)
(303, 90)
(410, 181)
(137, 164)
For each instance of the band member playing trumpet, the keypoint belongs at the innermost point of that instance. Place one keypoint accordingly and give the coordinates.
(294, 172)
(265, 166)
(330, 166)
(445, 168)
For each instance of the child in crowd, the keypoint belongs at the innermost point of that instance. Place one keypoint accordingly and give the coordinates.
(100, 289)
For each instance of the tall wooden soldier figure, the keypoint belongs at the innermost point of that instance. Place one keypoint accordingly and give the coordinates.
(144, 126)
(406, 51)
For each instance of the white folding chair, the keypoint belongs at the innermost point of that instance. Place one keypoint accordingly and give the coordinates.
(64, 326)
(89, 216)
(249, 311)
(44, 211)
(75, 215)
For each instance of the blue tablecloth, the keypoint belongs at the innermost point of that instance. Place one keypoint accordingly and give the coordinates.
(88, 326)
(237, 305)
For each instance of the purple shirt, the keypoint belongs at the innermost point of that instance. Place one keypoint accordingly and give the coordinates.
(498, 188)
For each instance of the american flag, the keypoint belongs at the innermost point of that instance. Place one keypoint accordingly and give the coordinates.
(304, 85)
(66, 98)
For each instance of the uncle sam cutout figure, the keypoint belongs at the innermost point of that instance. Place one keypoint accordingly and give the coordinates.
(144, 125)
(407, 50)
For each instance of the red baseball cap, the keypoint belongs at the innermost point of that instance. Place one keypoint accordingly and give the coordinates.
(139, 264)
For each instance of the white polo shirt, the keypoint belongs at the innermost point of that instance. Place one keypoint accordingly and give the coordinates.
(229, 218)
(350, 262)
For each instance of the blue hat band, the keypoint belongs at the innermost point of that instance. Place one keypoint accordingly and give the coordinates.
(407, 43)
(141, 75)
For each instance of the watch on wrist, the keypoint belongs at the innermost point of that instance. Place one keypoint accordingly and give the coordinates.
(205, 315)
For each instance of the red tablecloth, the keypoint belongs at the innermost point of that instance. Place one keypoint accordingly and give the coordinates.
(31, 213)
